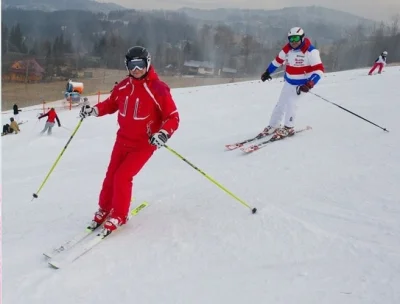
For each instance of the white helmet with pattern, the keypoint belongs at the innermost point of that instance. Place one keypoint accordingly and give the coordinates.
(384, 53)
(296, 31)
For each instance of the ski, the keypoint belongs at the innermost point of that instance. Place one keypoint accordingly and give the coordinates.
(262, 144)
(100, 236)
(67, 245)
(246, 141)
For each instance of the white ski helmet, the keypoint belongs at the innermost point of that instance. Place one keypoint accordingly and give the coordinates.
(296, 31)
(384, 53)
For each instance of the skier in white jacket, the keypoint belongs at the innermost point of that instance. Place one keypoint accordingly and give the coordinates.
(304, 69)
(380, 62)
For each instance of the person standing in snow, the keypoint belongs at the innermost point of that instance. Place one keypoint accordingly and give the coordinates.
(148, 117)
(304, 69)
(380, 62)
(51, 118)
(16, 112)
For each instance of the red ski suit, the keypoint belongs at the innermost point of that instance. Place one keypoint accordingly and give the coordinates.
(51, 116)
(145, 106)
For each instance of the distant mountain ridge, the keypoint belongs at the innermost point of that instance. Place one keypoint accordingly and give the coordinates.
(56, 5)
(267, 26)
(322, 23)
(306, 13)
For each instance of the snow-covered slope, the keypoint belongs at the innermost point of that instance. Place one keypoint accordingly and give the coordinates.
(327, 228)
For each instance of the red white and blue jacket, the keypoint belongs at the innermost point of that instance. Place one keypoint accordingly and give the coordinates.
(302, 64)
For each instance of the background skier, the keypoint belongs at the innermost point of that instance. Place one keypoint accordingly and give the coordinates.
(380, 62)
(304, 69)
(51, 118)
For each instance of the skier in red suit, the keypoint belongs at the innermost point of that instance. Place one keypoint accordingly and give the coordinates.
(147, 118)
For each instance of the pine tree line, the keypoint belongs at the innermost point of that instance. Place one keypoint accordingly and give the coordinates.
(89, 40)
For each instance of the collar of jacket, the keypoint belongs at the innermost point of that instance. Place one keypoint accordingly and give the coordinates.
(302, 47)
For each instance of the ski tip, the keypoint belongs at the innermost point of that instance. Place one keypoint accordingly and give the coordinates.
(54, 264)
(250, 149)
(139, 208)
(231, 147)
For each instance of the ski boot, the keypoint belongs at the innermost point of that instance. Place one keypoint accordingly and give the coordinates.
(112, 224)
(267, 131)
(283, 132)
(99, 218)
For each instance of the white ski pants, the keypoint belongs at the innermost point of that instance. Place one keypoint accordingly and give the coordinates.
(286, 106)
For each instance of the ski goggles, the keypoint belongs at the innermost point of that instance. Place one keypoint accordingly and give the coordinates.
(136, 64)
(294, 38)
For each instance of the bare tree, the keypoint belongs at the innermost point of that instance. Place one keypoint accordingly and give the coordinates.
(394, 28)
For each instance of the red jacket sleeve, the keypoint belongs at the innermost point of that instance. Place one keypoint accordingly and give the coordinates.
(111, 104)
(169, 112)
(108, 106)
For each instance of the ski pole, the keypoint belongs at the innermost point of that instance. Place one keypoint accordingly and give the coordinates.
(253, 210)
(384, 129)
(35, 195)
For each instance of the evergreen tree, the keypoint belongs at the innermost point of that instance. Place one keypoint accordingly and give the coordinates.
(4, 39)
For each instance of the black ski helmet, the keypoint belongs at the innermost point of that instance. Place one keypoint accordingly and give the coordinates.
(138, 52)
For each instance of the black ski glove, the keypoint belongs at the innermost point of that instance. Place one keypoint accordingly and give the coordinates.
(266, 76)
(159, 139)
(87, 110)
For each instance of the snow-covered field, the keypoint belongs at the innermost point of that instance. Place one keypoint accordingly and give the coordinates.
(327, 228)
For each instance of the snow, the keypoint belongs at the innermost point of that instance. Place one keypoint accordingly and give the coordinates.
(327, 228)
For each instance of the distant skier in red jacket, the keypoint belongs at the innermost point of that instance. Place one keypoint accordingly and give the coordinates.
(51, 118)
(147, 117)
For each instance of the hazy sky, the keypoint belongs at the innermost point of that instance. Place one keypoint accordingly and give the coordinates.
(373, 9)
